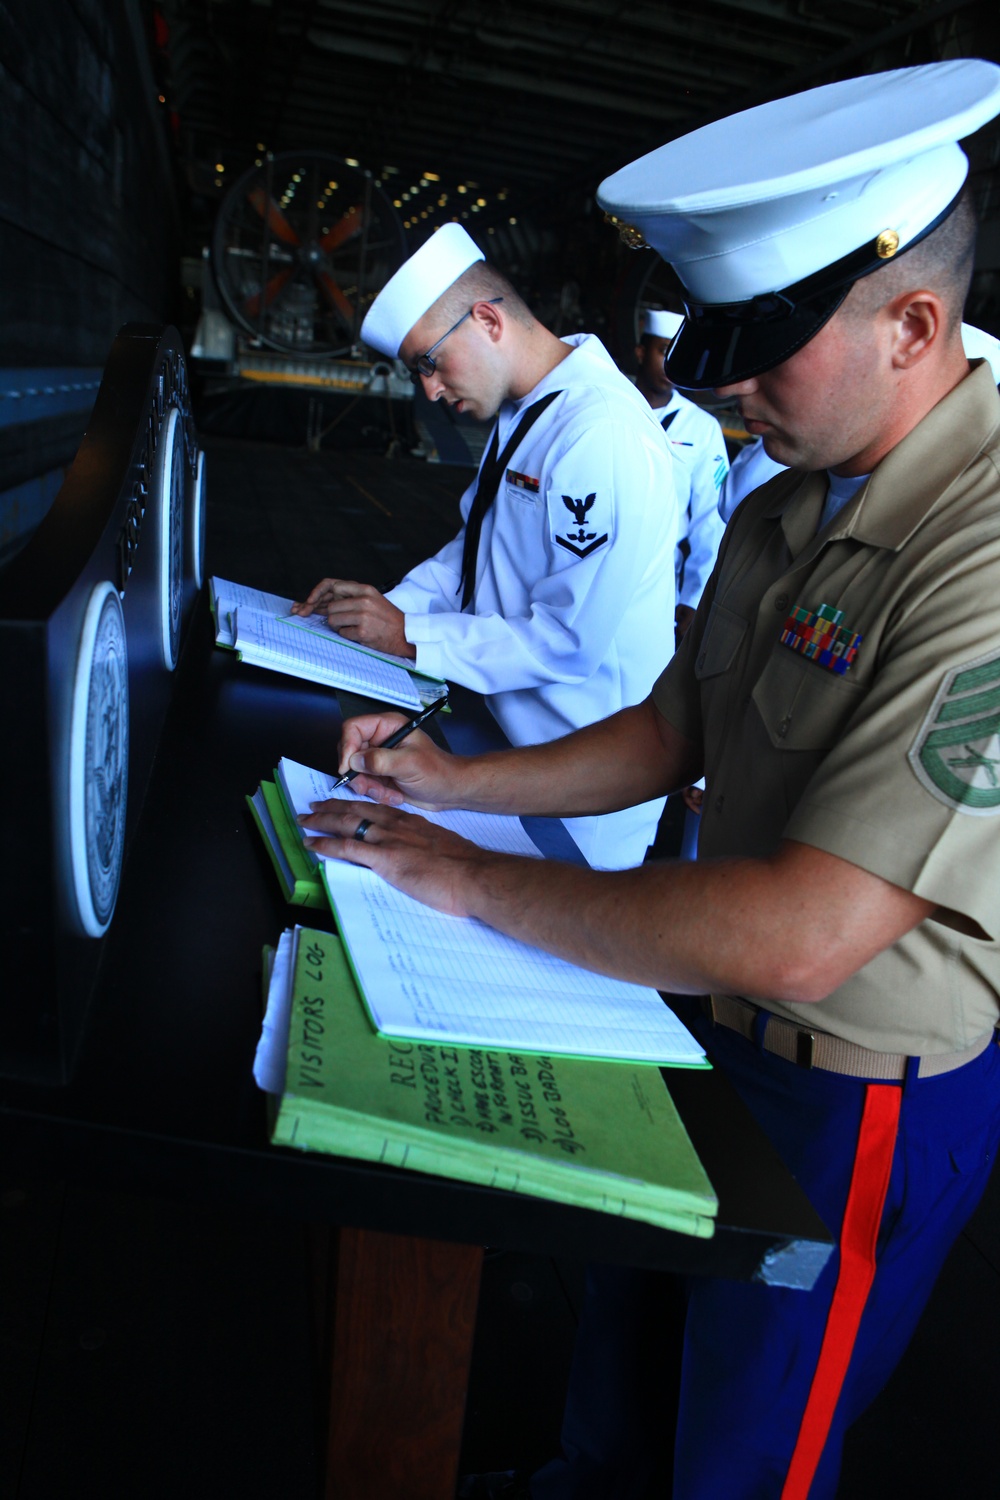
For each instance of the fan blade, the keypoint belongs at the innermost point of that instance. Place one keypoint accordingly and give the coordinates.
(352, 223)
(273, 216)
(336, 297)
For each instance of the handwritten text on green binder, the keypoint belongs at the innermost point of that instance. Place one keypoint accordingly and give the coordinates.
(470, 1089)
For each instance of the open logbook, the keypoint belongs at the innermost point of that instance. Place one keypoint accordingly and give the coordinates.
(426, 975)
(261, 628)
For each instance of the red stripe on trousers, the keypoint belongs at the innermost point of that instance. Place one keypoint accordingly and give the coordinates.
(858, 1236)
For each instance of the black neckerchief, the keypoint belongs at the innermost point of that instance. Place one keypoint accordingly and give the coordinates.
(486, 490)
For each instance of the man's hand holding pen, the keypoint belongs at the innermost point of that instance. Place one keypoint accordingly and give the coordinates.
(392, 767)
(428, 862)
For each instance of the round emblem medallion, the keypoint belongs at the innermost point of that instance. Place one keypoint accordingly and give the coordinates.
(98, 760)
(168, 490)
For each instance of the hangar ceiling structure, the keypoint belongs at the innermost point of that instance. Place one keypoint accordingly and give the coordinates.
(531, 95)
(506, 113)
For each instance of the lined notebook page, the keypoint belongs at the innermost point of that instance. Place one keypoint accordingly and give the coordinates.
(266, 641)
(318, 625)
(229, 597)
(425, 975)
(303, 786)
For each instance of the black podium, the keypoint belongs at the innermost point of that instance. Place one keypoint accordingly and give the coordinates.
(164, 1011)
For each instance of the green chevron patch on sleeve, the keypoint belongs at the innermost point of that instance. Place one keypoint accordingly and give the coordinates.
(956, 753)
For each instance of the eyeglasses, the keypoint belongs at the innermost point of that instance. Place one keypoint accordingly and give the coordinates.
(424, 363)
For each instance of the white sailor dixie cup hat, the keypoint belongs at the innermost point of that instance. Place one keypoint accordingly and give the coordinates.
(770, 216)
(657, 323)
(416, 286)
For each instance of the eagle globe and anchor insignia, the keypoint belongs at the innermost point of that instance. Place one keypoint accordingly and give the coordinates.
(99, 740)
(581, 542)
(956, 754)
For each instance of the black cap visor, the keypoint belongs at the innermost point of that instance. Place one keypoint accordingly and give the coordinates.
(722, 345)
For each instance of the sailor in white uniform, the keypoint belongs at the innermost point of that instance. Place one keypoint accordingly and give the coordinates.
(698, 449)
(748, 471)
(978, 344)
(556, 598)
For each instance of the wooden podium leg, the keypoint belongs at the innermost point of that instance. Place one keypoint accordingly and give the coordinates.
(404, 1313)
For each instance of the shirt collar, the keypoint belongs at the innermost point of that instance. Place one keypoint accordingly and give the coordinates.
(910, 480)
(582, 346)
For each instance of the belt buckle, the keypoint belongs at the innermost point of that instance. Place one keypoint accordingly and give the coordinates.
(805, 1047)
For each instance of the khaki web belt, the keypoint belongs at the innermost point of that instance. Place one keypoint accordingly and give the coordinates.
(818, 1049)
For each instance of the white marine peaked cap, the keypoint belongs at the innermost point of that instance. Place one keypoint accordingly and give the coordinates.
(416, 286)
(801, 197)
(978, 344)
(661, 324)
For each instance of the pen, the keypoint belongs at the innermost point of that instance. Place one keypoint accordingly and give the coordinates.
(399, 736)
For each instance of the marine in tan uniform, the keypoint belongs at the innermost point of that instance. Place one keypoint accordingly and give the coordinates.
(893, 766)
(840, 689)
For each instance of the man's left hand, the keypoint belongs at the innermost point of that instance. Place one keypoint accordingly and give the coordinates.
(360, 613)
(427, 862)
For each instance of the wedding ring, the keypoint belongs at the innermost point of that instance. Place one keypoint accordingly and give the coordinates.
(362, 829)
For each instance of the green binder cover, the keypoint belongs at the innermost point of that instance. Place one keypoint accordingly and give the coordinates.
(298, 875)
(604, 1136)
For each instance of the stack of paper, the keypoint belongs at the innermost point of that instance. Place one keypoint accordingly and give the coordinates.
(600, 1135)
(260, 627)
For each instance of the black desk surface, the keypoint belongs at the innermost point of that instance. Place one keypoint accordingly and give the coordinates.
(163, 1100)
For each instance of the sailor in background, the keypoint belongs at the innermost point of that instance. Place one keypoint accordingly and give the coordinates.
(556, 597)
(701, 463)
(978, 344)
(840, 688)
(748, 471)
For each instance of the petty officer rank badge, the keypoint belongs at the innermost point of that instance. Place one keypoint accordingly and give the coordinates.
(579, 538)
(820, 636)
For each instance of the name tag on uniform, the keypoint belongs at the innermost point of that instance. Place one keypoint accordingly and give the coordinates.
(820, 636)
(522, 481)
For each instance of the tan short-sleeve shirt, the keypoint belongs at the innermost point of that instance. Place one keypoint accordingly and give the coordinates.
(895, 764)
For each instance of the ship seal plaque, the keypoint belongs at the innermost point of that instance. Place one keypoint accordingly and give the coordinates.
(98, 760)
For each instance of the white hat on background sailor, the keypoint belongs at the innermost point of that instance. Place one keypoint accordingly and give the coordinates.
(657, 323)
(978, 344)
(768, 217)
(416, 286)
